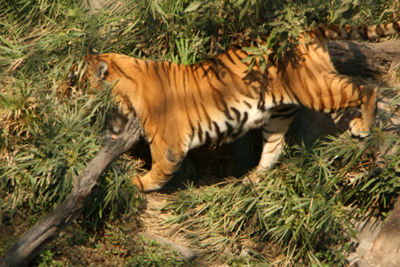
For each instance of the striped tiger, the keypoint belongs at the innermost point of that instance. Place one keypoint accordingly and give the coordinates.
(219, 99)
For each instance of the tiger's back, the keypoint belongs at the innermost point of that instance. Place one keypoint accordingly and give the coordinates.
(215, 101)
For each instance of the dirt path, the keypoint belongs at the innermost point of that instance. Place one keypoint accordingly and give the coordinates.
(154, 228)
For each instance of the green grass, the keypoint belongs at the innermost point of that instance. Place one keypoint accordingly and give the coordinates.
(308, 205)
(116, 245)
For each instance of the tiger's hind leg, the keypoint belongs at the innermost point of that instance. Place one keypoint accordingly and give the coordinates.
(273, 133)
(165, 164)
(332, 92)
(360, 127)
(343, 93)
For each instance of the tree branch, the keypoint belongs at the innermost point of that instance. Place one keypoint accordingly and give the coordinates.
(50, 226)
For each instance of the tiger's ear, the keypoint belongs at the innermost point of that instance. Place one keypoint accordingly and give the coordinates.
(101, 69)
(91, 53)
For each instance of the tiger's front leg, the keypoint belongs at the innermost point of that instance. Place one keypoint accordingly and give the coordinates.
(273, 133)
(165, 164)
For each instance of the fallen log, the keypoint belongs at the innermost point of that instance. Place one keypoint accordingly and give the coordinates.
(50, 226)
(365, 59)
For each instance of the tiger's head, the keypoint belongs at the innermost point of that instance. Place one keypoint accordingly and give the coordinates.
(95, 70)
(87, 77)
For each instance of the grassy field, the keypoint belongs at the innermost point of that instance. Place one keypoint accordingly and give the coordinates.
(303, 213)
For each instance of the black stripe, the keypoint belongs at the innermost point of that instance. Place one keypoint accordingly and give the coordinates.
(200, 132)
(238, 56)
(240, 130)
(282, 116)
(237, 113)
(332, 97)
(295, 97)
(114, 65)
(219, 134)
(230, 58)
(214, 68)
(244, 120)
(380, 31)
(396, 26)
(247, 103)
(208, 138)
(343, 99)
(144, 122)
(174, 75)
(273, 98)
(158, 75)
(206, 114)
(219, 99)
(245, 52)
(191, 126)
(312, 78)
(285, 108)
(166, 73)
(363, 32)
(196, 107)
(204, 70)
(229, 128)
(271, 151)
(322, 104)
(197, 85)
(184, 74)
(226, 111)
(321, 30)
(288, 93)
(304, 85)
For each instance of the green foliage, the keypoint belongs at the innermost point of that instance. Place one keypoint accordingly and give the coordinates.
(47, 259)
(49, 135)
(307, 205)
(151, 253)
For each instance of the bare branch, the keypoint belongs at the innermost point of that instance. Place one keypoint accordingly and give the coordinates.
(50, 226)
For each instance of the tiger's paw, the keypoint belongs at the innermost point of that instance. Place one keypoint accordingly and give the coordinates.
(358, 128)
(252, 178)
(144, 185)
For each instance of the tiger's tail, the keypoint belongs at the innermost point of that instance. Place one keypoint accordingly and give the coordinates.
(352, 32)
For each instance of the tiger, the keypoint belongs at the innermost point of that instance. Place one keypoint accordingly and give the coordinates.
(181, 107)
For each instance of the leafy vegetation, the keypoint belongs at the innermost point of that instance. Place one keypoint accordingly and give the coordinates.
(308, 205)
(118, 245)
(48, 131)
